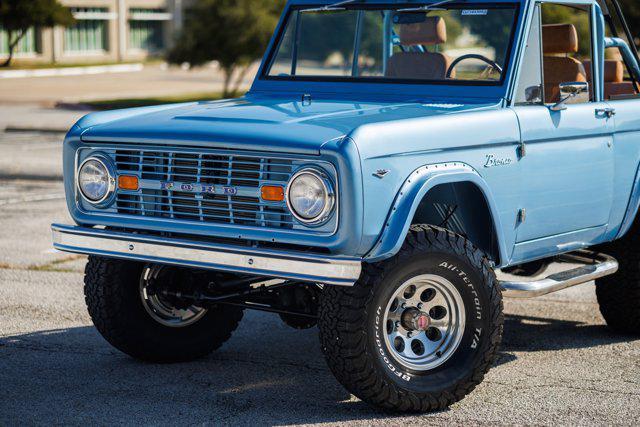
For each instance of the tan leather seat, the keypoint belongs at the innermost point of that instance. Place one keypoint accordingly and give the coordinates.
(557, 40)
(421, 65)
(613, 90)
(614, 84)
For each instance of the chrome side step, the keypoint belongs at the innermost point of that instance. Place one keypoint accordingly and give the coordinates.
(592, 266)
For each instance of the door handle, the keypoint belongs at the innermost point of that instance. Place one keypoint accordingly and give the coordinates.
(605, 112)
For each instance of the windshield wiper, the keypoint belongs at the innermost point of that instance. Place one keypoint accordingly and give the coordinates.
(330, 7)
(428, 7)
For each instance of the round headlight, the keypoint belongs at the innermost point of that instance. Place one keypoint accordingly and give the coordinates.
(310, 196)
(95, 181)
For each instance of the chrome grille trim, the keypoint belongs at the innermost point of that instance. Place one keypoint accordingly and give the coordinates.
(241, 175)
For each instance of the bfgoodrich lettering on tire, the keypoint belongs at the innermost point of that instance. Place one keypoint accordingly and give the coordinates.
(417, 332)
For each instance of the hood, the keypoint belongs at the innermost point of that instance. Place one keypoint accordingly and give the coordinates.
(254, 122)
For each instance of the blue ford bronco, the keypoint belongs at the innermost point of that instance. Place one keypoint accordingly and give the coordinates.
(396, 168)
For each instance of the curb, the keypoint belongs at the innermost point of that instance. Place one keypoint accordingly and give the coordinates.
(72, 71)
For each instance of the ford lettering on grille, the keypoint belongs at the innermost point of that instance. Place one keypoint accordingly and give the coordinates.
(198, 188)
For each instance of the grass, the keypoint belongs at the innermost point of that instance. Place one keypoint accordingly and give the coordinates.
(114, 104)
(53, 266)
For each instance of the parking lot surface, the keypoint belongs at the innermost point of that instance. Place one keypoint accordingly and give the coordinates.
(153, 80)
(559, 364)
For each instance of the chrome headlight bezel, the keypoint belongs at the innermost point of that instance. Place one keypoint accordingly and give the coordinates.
(108, 166)
(329, 199)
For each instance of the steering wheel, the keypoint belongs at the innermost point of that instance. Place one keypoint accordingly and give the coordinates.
(490, 63)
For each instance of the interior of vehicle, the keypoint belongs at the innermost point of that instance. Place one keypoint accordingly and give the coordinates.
(567, 55)
(560, 40)
(421, 65)
(451, 43)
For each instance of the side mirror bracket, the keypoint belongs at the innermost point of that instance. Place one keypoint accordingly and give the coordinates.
(572, 92)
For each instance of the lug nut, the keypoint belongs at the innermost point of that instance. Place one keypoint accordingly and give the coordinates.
(397, 323)
(404, 305)
(409, 334)
(420, 306)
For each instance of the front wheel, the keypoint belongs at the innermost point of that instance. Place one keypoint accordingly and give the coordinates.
(130, 312)
(419, 331)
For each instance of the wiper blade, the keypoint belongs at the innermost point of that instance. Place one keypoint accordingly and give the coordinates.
(330, 7)
(428, 7)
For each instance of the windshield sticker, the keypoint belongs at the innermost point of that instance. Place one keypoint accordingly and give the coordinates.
(475, 12)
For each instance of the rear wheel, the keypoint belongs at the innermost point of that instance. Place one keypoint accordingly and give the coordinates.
(619, 294)
(130, 312)
(419, 331)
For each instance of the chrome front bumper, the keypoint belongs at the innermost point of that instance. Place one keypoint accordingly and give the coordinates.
(260, 262)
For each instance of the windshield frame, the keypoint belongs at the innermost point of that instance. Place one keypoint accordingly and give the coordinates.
(294, 7)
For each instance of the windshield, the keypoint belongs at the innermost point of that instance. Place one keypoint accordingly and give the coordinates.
(453, 43)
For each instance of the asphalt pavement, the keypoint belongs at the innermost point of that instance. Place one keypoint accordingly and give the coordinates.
(559, 364)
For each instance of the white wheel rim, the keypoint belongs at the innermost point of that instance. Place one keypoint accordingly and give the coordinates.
(432, 301)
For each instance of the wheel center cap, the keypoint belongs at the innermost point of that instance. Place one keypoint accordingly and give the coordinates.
(415, 320)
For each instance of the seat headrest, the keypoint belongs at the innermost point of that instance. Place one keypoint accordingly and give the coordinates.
(430, 32)
(559, 38)
(613, 71)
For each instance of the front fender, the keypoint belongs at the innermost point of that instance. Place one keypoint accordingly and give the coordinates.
(411, 193)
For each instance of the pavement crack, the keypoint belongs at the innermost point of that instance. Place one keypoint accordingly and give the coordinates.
(53, 266)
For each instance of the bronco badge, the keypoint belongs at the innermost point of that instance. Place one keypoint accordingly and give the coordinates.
(494, 161)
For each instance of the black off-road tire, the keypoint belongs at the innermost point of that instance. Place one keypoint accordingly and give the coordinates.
(619, 294)
(113, 300)
(366, 368)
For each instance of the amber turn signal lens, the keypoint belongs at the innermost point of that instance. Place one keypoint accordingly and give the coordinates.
(128, 182)
(272, 193)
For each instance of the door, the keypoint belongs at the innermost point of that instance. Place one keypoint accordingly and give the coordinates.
(567, 155)
(622, 93)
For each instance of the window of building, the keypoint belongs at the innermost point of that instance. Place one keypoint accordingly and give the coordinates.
(146, 29)
(90, 33)
(27, 46)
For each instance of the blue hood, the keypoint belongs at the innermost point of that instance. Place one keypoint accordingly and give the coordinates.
(253, 122)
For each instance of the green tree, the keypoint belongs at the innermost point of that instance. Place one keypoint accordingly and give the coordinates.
(233, 32)
(17, 16)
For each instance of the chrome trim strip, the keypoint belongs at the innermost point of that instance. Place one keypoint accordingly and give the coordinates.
(262, 262)
(594, 266)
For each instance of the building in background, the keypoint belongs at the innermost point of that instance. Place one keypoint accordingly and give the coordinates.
(105, 31)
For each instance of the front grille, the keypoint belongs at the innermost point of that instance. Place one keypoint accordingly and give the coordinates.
(172, 186)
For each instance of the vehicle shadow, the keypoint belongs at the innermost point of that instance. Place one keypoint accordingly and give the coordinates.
(531, 334)
(266, 374)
